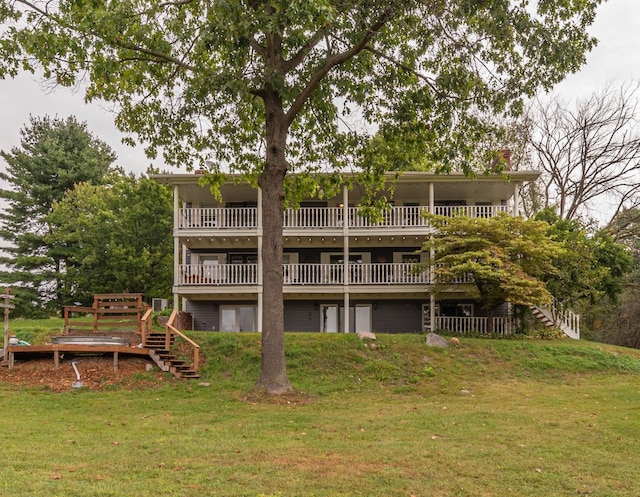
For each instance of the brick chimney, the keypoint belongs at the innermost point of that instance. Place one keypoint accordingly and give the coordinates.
(505, 153)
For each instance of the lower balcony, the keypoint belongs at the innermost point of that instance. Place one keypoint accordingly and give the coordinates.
(304, 274)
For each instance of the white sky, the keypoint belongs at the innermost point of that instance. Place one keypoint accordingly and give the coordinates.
(617, 58)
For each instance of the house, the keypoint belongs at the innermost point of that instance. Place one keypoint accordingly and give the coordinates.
(342, 272)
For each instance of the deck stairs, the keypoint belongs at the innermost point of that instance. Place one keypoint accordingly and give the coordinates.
(166, 359)
(553, 316)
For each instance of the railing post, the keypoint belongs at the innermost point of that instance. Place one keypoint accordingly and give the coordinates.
(196, 358)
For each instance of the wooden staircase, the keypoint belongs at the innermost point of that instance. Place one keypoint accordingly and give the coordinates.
(166, 359)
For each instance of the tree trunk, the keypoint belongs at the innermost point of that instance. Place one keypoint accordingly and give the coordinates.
(490, 320)
(273, 372)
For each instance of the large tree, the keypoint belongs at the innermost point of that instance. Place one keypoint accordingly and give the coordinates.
(272, 87)
(53, 156)
(593, 268)
(506, 258)
(117, 235)
(588, 151)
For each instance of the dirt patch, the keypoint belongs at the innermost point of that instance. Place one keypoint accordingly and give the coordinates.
(96, 373)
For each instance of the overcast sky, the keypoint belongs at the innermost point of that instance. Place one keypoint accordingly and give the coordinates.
(617, 58)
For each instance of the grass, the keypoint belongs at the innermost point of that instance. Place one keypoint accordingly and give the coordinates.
(486, 418)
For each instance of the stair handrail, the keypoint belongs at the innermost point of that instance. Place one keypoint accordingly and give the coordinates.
(171, 329)
(563, 316)
(146, 324)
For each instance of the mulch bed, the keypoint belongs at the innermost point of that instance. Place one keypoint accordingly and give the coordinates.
(96, 373)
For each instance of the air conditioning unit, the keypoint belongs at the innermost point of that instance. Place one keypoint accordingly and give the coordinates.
(159, 304)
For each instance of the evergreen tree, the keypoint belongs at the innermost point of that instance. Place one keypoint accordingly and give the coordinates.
(54, 155)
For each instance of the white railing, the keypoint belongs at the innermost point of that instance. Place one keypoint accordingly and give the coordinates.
(359, 274)
(313, 274)
(305, 274)
(221, 218)
(563, 319)
(313, 217)
(464, 325)
(218, 218)
(395, 217)
(470, 210)
(220, 274)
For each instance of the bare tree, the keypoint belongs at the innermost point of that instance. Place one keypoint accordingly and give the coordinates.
(588, 152)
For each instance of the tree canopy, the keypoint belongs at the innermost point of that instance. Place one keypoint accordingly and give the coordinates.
(118, 237)
(593, 266)
(505, 257)
(270, 87)
(53, 156)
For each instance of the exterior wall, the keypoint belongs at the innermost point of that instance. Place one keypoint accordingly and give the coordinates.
(205, 313)
(304, 315)
(301, 315)
(397, 316)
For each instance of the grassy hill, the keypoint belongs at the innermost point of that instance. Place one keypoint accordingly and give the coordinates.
(484, 418)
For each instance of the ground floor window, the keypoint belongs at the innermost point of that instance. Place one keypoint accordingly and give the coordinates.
(238, 318)
(427, 325)
(332, 318)
(456, 310)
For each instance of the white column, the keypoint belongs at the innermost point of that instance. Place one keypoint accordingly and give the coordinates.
(432, 298)
(259, 234)
(176, 246)
(432, 201)
(516, 199)
(345, 255)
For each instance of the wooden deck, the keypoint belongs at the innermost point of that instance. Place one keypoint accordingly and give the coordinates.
(57, 349)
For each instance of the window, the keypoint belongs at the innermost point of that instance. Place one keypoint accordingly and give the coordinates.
(457, 310)
(427, 325)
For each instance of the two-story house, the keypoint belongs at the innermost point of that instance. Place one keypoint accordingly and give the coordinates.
(342, 272)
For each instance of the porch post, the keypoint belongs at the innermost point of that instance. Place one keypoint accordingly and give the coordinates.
(432, 297)
(259, 275)
(176, 247)
(345, 256)
(516, 199)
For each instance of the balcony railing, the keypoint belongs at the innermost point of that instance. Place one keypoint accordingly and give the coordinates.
(305, 274)
(220, 274)
(225, 218)
(470, 210)
(218, 218)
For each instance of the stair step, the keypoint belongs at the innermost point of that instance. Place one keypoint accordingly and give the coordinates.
(189, 375)
(180, 367)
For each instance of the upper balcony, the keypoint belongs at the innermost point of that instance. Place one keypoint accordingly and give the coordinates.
(222, 219)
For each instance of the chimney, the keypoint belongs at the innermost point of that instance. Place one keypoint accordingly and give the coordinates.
(505, 153)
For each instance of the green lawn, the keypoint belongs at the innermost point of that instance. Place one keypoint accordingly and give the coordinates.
(486, 418)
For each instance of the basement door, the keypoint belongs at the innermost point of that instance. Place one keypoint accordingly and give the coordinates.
(332, 318)
(238, 318)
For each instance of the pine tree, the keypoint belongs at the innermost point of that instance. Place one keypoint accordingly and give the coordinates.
(53, 156)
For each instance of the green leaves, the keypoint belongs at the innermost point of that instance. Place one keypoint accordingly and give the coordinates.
(505, 257)
(117, 236)
(54, 155)
(187, 76)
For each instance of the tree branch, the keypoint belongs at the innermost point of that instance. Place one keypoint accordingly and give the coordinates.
(298, 58)
(335, 60)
